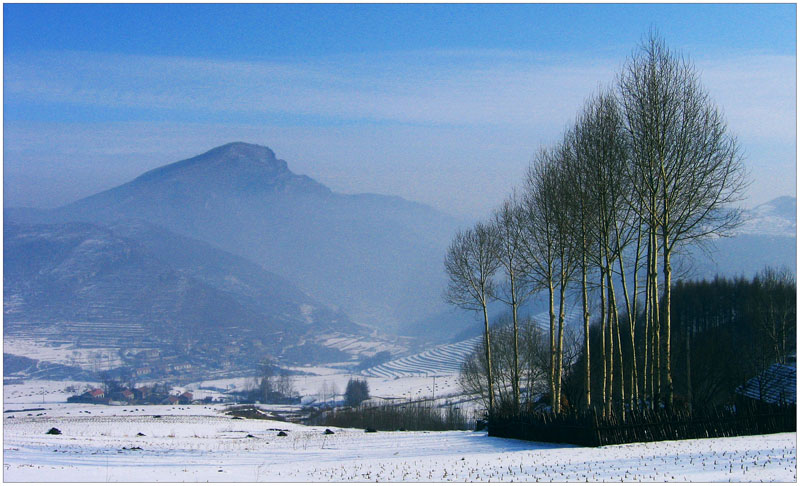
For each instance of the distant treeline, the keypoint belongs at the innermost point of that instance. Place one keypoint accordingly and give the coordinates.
(391, 417)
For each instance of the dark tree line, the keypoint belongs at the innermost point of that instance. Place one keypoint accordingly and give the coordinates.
(647, 169)
(725, 332)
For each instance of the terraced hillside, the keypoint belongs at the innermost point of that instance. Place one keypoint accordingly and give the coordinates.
(446, 359)
(440, 360)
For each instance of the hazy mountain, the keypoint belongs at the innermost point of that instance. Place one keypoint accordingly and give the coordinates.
(774, 218)
(134, 285)
(767, 237)
(248, 283)
(377, 258)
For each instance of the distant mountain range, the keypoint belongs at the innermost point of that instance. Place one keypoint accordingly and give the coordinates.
(135, 286)
(192, 251)
(231, 253)
(774, 218)
(377, 258)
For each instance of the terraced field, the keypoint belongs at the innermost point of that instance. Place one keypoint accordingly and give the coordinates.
(441, 360)
(447, 358)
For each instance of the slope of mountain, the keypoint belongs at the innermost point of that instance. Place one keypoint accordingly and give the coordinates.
(248, 283)
(135, 286)
(377, 258)
(767, 237)
(774, 218)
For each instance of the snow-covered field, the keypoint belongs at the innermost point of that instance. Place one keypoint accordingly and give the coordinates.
(200, 443)
(93, 358)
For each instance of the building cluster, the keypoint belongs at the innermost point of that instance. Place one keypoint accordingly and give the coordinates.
(144, 395)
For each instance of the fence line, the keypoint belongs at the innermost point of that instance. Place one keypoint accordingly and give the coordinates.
(591, 429)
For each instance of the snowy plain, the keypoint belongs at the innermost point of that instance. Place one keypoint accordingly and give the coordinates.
(200, 443)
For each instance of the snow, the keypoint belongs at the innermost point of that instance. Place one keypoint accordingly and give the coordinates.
(774, 218)
(200, 443)
(98, 358)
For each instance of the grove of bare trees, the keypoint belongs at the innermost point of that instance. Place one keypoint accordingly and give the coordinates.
(647, 169)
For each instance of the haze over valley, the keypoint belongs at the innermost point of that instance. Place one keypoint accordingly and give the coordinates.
(229, 256)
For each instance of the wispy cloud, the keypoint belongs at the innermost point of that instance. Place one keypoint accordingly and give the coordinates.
(489, 87)
(433, 88)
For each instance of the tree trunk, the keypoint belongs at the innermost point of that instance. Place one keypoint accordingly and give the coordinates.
(515, 376)
(610, 329)
(656, 327)
(553, 401)
(614, 328)
(634, 389)
(488, 359)
(648, 323)
(586, 320)
(667, 320)
(603, 348)
(635, 316)
(560, 344)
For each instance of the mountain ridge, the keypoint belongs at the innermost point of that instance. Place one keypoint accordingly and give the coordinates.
(133, 286)
(377, 258)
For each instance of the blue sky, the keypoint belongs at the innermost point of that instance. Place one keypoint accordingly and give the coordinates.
(443, 104)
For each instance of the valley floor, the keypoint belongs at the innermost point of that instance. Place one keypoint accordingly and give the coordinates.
(199, 443)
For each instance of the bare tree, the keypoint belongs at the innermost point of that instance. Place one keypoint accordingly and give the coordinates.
(549, 249)
(689, 170)
(510, 230)
(777, 308)
(533, 363)
(471, 263)
(598, 180)
(579, 181)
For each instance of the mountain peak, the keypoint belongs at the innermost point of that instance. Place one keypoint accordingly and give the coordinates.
(225, 158)
(242, 150)
(236, 166)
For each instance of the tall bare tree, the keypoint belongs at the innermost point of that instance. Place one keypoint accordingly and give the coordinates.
(688, 166)
(509, 227)
(567, 242)
(471, 263)
(600, 157)
(549, 240)
(541, 245)
(579, 181)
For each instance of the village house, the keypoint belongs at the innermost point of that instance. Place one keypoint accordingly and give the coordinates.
(141, 392)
